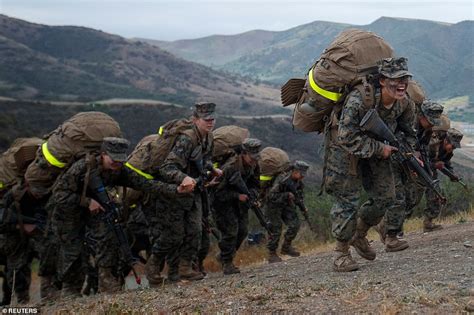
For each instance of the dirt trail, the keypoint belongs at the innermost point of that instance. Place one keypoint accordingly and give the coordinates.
(435, 275)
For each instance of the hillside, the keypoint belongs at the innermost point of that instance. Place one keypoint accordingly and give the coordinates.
(77, 63)
(440, 55)
(433, 276)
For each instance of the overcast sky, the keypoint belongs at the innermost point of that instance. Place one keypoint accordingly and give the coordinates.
(179, 19)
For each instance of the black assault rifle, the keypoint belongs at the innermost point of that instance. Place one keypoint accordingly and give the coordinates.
(375, 126)
(453, 177)
(238, 182)
(111, 217)
(299, 202)
(201, 183)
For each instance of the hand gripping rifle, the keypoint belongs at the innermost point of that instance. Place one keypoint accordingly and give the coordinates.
(375, 126)
(111, 217)
(11, 217)
(299, 202)
(453, 177)
(238, 182)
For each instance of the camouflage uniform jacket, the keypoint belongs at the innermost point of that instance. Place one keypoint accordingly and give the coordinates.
(224, 191)
(179, 163)
(278, 194)
(69, 186)
(357, 142)
(438, 154)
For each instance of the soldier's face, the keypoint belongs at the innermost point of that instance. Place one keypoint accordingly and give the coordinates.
(448, 147)
(204, 125)
(296, 175)
(395, 88)
(425, 123)
(109, 164)
(249, 160)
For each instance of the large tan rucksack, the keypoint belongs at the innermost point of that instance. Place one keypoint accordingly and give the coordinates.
(152, 150)
(81, 134)
(150, 153)
(350, 58)
(15, 160)
(272, 162)
(226, 139)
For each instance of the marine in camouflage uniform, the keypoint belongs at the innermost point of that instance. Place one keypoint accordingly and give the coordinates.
(181, 217)
(230, 209)
(280, 208)
(6, 290)
(346, 144)
(74, 209)
(408, 189)
(441, 150)
(25, 241)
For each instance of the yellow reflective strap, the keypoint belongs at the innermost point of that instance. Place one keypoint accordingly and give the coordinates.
(139, 172)
(133, 206)
(265, 178)
(215, 165)
(51, 158)
(333, 96)
(160, 131)
(1, 185)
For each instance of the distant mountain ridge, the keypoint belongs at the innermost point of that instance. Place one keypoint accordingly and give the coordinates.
(78, 63)
(441, 55)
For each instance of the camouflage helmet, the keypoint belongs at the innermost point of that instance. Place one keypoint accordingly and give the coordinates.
(432, 111)
(454, 137)
(301, 166)
(252, 146)
(394, 68)
(116, 148)
(204, 110)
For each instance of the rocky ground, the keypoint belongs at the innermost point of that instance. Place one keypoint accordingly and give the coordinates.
(435, 275)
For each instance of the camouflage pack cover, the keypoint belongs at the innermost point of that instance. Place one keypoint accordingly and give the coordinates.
(445, 124)
(350, 57)
(273, 161)
(416, 93)
(14, 161)
(226, 138)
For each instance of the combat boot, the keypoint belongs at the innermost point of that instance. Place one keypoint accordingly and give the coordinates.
(429, 226)
(343, 262)
(173, 273)
(153, 270)
(289, 250)
(48, 290)
(273, 257)
(108, 283)
(186, 271)
(229, 268)
(395, 244)
(380, 229)
(360, 242)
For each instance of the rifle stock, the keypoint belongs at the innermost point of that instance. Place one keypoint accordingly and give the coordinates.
(299, 202)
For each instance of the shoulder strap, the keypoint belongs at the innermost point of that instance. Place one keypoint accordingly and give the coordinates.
(90, 163)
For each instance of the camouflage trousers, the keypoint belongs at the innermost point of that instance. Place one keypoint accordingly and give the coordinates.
(232, 220)
(20, 251)
(69, 225)
(343, 182)
(6, 289)
(415, 193)
(180, 228)
(276, 215)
